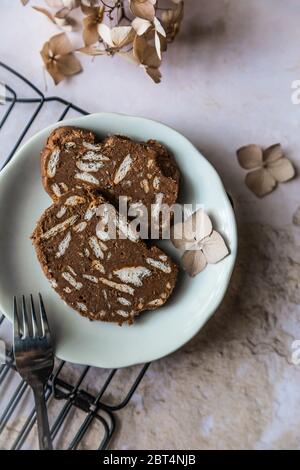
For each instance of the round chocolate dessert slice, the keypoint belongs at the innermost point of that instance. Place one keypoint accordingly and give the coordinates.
(145, 173)
(104, 274)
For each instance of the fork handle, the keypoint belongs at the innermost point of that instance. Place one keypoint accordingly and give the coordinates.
(45, 441)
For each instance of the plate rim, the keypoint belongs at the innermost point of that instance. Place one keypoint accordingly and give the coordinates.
(234, 241)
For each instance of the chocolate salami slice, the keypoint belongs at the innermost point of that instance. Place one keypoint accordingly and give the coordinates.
(103, 278)
(145, 173)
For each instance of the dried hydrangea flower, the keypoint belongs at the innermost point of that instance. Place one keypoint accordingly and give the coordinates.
(137, 30)
(94, 17)
(58, 57)
(201, 243)
(270, 167)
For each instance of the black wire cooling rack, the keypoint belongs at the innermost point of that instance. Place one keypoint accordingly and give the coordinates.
(67, 399)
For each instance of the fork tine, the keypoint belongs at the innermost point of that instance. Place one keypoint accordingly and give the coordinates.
(44, 321)
(33, 317)
(24, 318)
(17, 329)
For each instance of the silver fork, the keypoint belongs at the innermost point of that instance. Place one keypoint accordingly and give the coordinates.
(34, 359)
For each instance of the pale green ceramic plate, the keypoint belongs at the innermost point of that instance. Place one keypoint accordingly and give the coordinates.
(155, 334)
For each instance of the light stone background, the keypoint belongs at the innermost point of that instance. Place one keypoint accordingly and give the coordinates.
(226, 83)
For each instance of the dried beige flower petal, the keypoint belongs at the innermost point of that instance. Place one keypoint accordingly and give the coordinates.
(59, 45)
(157, 45)
(211, 250)
(214, 248)
(250, 156)
(154, 73)
(194, 229)
(193, 262)
(90, 24)
(117, 37)
(24, 2)
(59, 59)
(198, 226)
(178, 239)
(273, 153)
(260, 182)
(143, 8)
(158, 27)
(141, 25)
(147, 57)
(282, 170)
(159, 32)
(69, 65)
(122, 36)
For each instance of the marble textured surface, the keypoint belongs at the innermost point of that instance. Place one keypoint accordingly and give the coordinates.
(226, 83)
